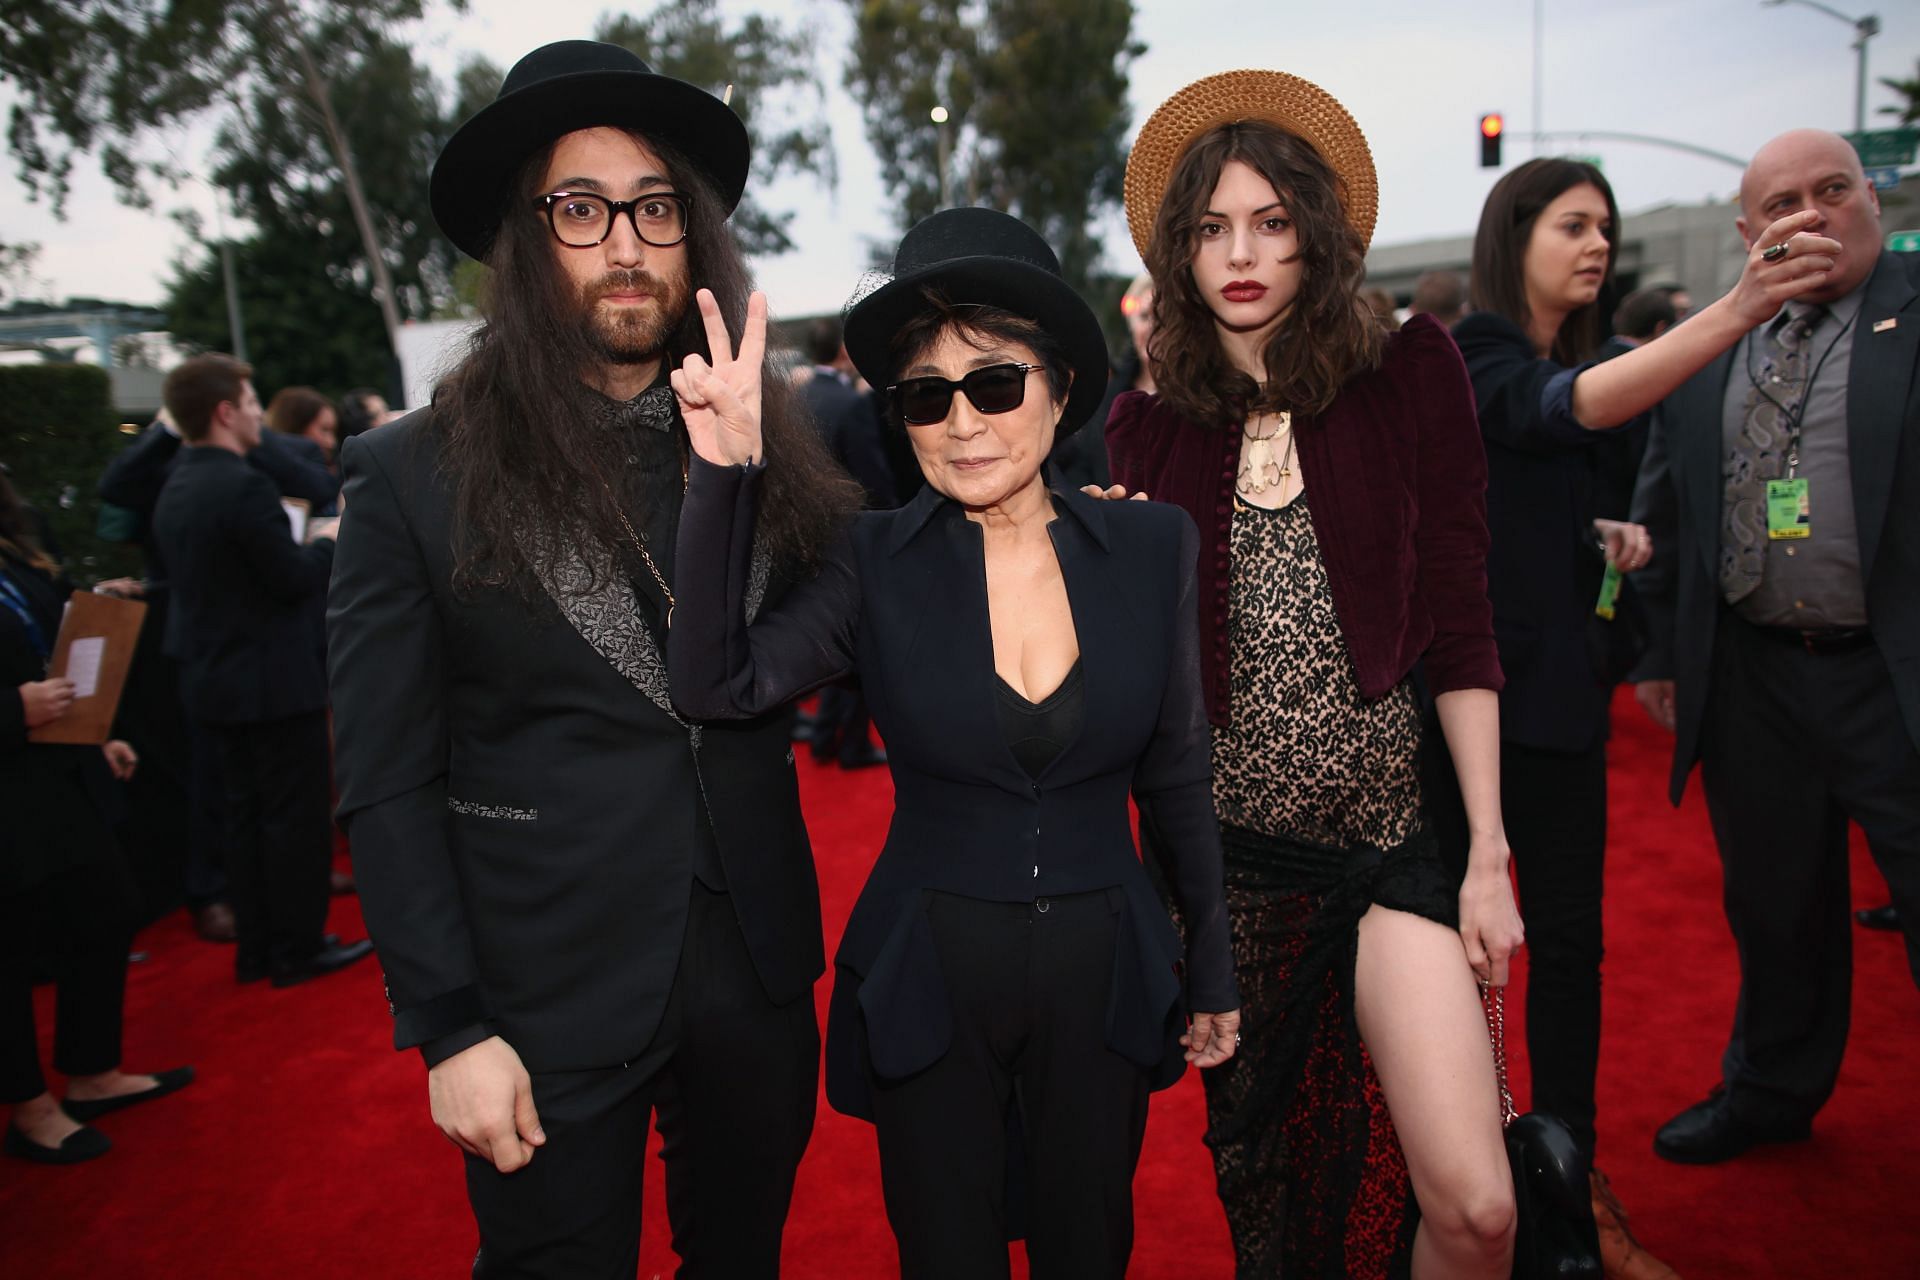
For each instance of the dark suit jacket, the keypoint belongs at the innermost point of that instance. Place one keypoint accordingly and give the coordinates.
(1544, 481)
(904, 602)
(139, 472)
(56, 798)
(523, 803)
(852, 433)
(1679, 500)
(241, 619)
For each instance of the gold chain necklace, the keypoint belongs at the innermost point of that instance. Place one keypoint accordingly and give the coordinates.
(1259, 469)
(640, 545)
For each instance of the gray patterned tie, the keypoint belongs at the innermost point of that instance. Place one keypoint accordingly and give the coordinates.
(1759, 452)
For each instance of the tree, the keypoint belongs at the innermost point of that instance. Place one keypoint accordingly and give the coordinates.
(1035, 93)
(306, 324)
(109, 75)
(1909, 89)
(773, 78)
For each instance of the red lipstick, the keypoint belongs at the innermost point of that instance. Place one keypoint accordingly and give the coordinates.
(1244, 291)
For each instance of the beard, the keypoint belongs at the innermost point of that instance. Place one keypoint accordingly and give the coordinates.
(632, 335)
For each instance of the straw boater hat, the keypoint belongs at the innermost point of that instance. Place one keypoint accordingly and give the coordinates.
(982, 256)
(1299, 106)
(563, 87)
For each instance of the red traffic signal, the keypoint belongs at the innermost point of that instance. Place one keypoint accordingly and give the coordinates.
(1492, 125)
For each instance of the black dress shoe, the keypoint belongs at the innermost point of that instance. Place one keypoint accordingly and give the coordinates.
(865, 758)
(87, 1109)
(252, 970)
(82, 1144)
(1887, 917)
(328, 959)
(1709, 1132)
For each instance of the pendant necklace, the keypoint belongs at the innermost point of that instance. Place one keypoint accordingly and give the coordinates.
(1260, 470)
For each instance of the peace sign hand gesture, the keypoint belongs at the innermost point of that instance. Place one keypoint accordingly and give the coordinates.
(720, 402)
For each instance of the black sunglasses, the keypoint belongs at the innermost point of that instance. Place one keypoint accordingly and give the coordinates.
(997, 388)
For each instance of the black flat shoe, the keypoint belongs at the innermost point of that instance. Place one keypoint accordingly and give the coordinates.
(167, 1082)
(1709, 1132)
(1887, 917)
(82, 1144)
(329, 959)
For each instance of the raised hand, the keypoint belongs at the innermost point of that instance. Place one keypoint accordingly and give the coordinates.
(1769, 283)
(720, 401)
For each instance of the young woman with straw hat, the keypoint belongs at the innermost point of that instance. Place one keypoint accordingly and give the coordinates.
(1336, 476)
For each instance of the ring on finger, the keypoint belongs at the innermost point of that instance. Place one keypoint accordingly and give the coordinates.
(1775, 252)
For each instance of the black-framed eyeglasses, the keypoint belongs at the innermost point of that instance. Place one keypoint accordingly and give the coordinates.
(582, 219)
(997, 388)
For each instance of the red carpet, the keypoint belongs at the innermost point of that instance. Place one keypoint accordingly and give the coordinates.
(305, 1149)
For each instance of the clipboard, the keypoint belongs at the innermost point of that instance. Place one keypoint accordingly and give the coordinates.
(95, 651)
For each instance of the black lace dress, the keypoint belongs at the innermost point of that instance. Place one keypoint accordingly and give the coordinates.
(1319, 800)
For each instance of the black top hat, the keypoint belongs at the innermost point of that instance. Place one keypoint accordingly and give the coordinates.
(982, 256)
(563, 87)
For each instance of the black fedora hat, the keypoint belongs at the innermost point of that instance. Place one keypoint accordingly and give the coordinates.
(983, 257)
(567, 86)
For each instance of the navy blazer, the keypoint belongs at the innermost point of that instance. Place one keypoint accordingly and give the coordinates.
(1680, 493)
(241, 623)
(903, 600)
(1545, 479)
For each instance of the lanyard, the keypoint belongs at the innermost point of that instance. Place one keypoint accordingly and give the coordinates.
(11, 597)
(1797, 412)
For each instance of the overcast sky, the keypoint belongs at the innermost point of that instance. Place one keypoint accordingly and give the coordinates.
(1723, 74)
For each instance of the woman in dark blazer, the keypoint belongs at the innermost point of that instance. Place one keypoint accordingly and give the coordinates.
(1542, 261)
(66, 897)
(1031, 659)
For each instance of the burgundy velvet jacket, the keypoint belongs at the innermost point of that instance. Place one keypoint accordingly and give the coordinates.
(1397, 480)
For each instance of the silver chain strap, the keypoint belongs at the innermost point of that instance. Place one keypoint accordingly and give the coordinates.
(1495, 999)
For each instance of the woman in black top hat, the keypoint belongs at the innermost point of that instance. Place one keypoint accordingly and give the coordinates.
(1031, 657)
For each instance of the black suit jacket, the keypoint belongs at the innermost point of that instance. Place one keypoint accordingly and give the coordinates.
(852, 433)
(904, 602)
(1679, 500)
(241, 622)
(138, 474)
(523, 802)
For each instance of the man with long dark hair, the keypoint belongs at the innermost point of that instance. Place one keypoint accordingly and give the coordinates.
(587, 906)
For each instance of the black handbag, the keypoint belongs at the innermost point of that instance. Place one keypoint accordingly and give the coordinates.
(1553, 1204)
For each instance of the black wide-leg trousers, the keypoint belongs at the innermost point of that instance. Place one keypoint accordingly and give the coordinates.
(76, 925)
(733, 1078)
(1031, 986)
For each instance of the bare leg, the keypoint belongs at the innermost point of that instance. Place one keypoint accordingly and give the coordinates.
(43, 1122)
(1420, 1017)
(108, 1084)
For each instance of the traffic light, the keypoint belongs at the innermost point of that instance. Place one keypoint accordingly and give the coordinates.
(1492, 125)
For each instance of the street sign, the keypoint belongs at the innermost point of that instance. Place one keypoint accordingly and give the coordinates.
(1880, 147)
(1592, 160)
(1884, 178)
(1904, 241)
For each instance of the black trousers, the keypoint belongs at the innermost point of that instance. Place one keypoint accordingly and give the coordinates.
(733, 1078)
(279, 845)
(1793, 745)
(1030, 985)
(77, 926)
(1554, 807)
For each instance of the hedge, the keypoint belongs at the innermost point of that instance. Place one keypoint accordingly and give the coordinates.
(58, 431)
